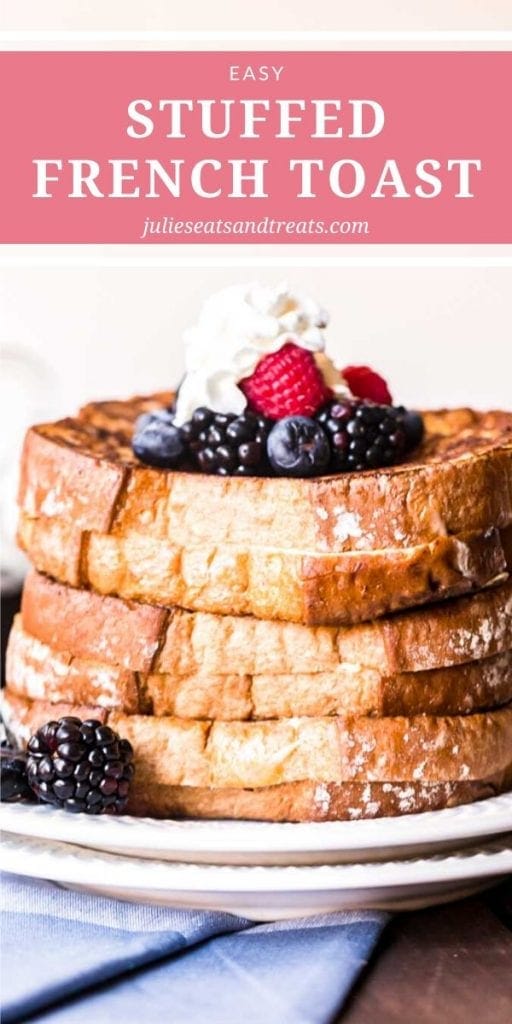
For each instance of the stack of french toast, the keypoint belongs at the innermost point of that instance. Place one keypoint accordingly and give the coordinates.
(274, 648)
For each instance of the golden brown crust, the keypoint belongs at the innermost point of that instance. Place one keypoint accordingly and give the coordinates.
(186, 752)
(145, 638)
(309, 801)
(22, 717)
(332, 550)
(305, 800)
(268, 583)
(129, 634)
(36, 671)
(298, 801)
(460, 479)
(320, 723)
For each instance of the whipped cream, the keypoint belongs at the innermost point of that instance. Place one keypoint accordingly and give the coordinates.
(236, 328)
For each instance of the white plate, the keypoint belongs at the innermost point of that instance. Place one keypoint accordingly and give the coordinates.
(262, 893)
(246, 842)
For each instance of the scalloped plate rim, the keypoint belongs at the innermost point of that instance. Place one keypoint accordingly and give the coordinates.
(201, 836)
(258, 892)
(491, 859)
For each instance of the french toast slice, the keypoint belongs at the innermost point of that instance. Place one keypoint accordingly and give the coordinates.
(185, 752)
(34, 670)
(458, 480)
(331, 550)
(307, 800)
(293, 801)
(150, 639)
(269, 583)
(311, 801)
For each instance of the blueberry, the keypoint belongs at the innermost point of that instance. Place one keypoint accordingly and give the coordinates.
(142, 421)
(298, 446)
(413, 427)
(156, 441)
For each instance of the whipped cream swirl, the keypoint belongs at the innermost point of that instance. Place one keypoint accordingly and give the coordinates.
(236, 328)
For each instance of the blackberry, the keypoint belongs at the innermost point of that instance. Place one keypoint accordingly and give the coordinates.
(363, 435)
(228, 445)
(13, 776)
(80, 766)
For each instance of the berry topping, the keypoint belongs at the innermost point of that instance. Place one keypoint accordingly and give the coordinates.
(13, 776)
(157, 441)
(364, 435)
(228, 445)
(298, 446)
(365, 383)
(80, 766)
(414, 429)
(286, 383)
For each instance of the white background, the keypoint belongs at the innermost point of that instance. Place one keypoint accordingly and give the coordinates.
(441, 334)
(231, 15)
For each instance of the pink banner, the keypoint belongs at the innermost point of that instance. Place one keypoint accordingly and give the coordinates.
(324, 148)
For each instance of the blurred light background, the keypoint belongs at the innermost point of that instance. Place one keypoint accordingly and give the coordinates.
(266, 14)
(441, 336)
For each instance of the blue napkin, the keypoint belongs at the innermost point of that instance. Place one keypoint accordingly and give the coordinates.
(72, 958)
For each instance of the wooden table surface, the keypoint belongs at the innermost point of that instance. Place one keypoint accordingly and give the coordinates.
(448, 965)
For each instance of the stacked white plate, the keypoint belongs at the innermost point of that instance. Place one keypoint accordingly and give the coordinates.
(266, 871)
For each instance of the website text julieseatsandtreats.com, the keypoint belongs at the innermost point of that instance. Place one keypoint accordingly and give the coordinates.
(253, 228)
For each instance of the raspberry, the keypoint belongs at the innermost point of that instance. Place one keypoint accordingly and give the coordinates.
(286, 383)
(365, 383)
